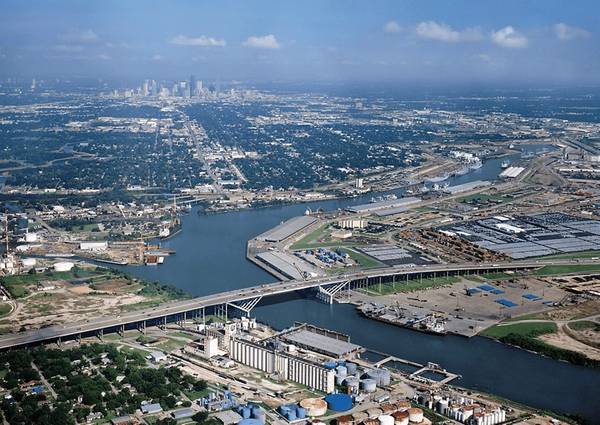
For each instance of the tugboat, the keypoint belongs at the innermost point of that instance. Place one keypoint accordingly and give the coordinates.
(505, 164)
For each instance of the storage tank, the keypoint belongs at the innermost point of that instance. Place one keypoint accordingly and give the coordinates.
(291, 415)
(63, 266)
(403, 405)
(339, 379)
(442, 405)
(374, 412)
(339, 402)
(415, 415)
(386, 420)
(400, 418)
(314, 406)
(368, 385)
(341, 370)
(359, 417)
(300, 412)
(345, 420)
(258, 413)
(371, 422)
(381, 376)
(352, 382)
(351, 368)
(388, 408)
(330, 365)
(245, 413)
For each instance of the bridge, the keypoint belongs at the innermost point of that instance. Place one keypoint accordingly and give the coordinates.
(245, 299)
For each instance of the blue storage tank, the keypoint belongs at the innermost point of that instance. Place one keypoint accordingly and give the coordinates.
(300, 412)
(256, 410)
(339, 402)
(291, 415)
(283, 409)
(249, 422)
(245, 413)
(329, 365)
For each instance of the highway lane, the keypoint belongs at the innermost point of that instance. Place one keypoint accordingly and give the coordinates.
(244, 294)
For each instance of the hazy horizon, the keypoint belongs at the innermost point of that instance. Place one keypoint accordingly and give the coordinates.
(513, 42)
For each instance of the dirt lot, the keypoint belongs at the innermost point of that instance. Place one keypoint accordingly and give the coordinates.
(469, 315)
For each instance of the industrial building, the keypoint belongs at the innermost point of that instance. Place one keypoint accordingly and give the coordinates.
(383, 205)
(465, 187)
(288, 265)
(537, 235)
(287, 366)
(93, 246)
(286, 229)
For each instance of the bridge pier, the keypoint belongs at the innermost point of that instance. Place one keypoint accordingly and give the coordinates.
(142, 327)
(100, 334)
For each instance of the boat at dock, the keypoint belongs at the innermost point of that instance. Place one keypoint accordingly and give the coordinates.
(395, 316)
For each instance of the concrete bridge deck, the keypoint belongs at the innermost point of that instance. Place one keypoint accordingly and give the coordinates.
(246, 298)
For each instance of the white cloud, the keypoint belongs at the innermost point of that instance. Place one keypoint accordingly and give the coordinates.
(157, 58)
(87, 37)
(203, 41)
(566, 32)
(441, 32)
(103, 56)
(509, 37)
(68, 48)
(392, 27)
(262, 42)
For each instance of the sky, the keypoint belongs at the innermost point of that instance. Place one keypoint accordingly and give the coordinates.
(446, 41)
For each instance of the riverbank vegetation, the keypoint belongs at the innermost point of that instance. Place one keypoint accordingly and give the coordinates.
(525, 335)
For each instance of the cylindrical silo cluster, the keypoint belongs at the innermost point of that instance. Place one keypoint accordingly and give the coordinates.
(252, 413)
(381, 376)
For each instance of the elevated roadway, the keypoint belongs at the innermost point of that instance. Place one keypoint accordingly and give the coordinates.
(245, 299)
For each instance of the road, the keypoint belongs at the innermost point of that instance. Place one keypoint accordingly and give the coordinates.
(245, 294)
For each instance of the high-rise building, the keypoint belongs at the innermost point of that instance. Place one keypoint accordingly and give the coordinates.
(145, 88)
(154, 88)
(192, 86)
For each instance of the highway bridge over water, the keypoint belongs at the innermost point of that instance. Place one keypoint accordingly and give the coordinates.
(245, 299)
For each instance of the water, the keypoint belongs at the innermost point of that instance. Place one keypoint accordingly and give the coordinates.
(211, 258)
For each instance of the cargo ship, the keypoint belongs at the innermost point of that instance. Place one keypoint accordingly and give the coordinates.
(395, 316)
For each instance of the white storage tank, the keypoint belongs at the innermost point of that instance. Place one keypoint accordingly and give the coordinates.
(386, 420)
(381, 376)
(341, 370)
(368, 385)
(415, 415)
(352, 382)
(63, 266)
(314, 406)
(351, 368)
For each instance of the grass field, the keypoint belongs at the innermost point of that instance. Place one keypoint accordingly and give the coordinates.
(411, 285)
(530, 330)
(363, 260)
(4, 309)
(583, 325)
(310, 240)
(567, 269)
(497, 276)
(583, 254)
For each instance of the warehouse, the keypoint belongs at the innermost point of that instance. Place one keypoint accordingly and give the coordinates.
(321, 343)
(383, 205)
(286, 229)
(289, 265)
